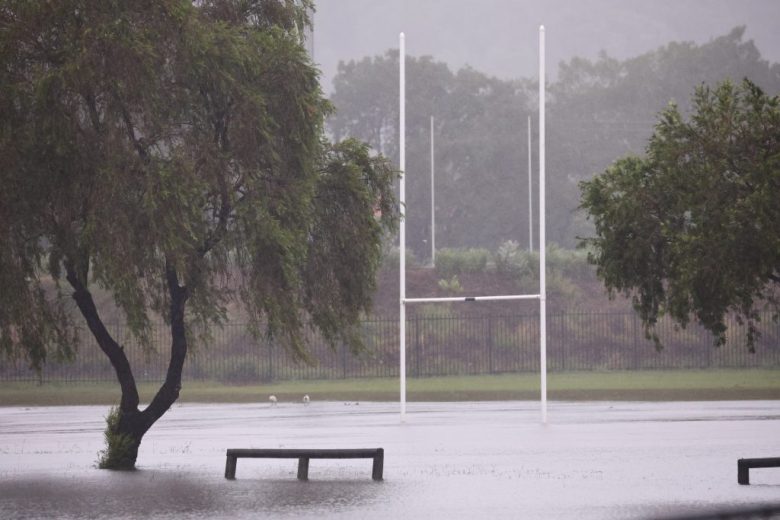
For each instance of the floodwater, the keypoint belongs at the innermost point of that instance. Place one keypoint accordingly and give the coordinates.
(448, 460)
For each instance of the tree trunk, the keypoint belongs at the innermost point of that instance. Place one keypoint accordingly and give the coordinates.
(125, 432)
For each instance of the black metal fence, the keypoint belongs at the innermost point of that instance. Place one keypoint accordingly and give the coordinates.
(436, 346)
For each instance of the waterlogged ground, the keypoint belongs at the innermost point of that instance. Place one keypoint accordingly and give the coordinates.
(449, 460)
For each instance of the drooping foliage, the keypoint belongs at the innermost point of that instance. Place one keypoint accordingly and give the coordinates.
(692, 228)
(171, 153)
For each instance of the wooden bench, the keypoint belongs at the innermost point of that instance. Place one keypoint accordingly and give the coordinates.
(744, 465)
(303, 456)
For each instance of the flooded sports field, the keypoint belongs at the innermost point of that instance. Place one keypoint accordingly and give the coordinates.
(448, 460)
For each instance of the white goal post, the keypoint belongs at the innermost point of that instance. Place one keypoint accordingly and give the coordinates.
(541, 296)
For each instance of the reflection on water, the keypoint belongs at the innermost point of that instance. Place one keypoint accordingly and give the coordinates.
(152, 494)
(111, 495)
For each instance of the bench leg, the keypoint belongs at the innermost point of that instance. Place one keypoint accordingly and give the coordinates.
(743, 472)
(379, 462)
(303, 468)
(230, 468)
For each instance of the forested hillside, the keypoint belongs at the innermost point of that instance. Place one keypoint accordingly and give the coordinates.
(597, 111)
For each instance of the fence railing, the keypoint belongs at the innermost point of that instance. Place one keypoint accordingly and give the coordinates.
(436, 346)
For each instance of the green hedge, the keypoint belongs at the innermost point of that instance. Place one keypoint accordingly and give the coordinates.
(450, 262)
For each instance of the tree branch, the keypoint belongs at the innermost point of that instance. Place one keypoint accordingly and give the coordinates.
(94, 116)
(128, 121)
(222, 218)
(169, 391)
(106, 342)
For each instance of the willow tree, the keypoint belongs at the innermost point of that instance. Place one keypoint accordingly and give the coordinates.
(171, 153)
(692, 229)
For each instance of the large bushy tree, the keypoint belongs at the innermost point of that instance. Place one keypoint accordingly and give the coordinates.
(605, 108)
(171, 153)
(691, 229)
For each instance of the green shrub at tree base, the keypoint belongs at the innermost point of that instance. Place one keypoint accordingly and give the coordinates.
(118, 453)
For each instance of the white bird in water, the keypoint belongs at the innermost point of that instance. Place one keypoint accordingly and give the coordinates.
(306, 400)
(272, 398)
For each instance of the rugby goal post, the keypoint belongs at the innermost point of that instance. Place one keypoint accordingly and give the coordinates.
(541, 296)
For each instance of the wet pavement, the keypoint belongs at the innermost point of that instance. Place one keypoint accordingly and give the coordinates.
(448, 460)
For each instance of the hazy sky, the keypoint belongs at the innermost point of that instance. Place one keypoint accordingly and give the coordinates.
(499, 37)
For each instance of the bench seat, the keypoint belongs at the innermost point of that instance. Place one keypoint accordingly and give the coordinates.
(303, 456)
(744, 465)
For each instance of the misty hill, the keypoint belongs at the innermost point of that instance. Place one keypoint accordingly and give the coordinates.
(598, 111)
(498, 37)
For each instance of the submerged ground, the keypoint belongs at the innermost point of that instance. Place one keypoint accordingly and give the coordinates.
(448, 460)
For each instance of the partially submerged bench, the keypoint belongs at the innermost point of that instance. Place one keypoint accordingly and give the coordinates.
(744, 465)
(303, 456)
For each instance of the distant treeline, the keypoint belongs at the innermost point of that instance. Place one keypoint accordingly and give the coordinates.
(597, 112)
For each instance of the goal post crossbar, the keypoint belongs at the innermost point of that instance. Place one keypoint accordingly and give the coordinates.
(474, 298)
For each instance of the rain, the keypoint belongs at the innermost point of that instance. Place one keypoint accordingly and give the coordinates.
(261, 225)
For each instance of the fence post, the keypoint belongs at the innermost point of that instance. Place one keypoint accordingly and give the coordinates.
(562, 340)
(343, 361)
(490, 344)
(270, 361)
(634, 319)
(414, 358)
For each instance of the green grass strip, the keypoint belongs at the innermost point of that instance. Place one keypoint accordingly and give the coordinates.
(676, 385)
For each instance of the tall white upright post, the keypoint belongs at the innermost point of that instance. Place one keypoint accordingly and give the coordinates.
(530, 195)
(542, 237)
(433, 205)
(402, 238)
